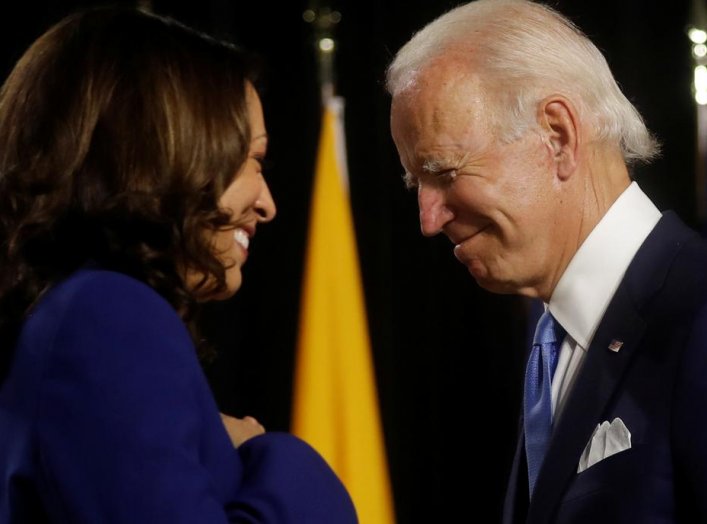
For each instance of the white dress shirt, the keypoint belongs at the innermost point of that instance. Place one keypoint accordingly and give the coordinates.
(585, 289)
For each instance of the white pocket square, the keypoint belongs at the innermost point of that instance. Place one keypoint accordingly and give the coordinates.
(607, 439)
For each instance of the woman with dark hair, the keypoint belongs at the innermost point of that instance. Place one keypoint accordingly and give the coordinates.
(130, 187)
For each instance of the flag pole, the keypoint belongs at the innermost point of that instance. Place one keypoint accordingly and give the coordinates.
(324, 20)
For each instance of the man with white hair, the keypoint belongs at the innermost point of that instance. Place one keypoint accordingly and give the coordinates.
(512, 129)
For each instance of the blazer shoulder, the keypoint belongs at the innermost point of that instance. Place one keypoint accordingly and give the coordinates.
(103, 309)
(667, 274)
(685, 286)
(107, 297)
(110, 289)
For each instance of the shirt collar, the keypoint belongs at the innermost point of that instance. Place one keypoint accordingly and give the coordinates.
(585, 289)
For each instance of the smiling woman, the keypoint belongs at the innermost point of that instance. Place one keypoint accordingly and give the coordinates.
(247, 200)
(130, 186)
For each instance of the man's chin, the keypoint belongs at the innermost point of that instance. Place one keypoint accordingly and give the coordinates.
(490, 282)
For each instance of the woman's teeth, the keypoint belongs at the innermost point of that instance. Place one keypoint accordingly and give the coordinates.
(241, 237)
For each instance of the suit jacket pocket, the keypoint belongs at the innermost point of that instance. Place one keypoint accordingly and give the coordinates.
(614, 473)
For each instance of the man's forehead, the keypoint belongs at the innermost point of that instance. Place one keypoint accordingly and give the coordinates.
(442, 93)
(440, 119)
(440, 75)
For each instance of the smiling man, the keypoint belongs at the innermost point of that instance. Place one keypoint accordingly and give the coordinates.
(518, 140)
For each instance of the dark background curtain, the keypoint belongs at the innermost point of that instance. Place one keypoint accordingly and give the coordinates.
(448, 354)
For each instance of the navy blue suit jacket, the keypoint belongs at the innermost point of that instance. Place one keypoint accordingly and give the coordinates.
(656, 383)
(106, 417)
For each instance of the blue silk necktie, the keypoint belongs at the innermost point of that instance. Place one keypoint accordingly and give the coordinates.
(537, 403)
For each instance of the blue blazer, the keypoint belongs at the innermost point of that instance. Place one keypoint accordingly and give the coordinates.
(106, 417)
(656, 384)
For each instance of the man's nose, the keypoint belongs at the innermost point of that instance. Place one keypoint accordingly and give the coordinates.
(434, 213)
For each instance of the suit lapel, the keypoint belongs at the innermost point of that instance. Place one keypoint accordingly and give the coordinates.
(603, 368)
(598, 380)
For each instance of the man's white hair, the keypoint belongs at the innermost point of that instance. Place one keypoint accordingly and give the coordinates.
(522, 52)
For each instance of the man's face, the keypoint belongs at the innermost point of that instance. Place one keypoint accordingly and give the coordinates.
(498, 203)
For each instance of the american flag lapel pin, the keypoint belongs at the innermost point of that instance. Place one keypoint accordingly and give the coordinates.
(615, 345)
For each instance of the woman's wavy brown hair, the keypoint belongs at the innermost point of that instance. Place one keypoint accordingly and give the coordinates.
(119, 131)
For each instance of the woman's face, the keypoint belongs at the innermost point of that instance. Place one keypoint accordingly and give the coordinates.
(247, 199)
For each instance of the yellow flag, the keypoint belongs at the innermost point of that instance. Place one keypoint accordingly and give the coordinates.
(335, 400)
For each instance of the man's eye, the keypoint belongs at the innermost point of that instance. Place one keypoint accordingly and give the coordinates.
(441, 178)
(445, 177)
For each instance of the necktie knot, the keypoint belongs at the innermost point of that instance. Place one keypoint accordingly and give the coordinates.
(548, 330)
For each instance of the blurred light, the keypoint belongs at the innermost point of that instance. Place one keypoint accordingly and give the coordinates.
(309, 15)
(701, 78)
(698, 36)
(699, 50)
(327, 45)
(335, 17)
(701, 85)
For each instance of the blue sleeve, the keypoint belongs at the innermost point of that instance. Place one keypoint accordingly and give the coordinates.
(278, 464)
(127, 430)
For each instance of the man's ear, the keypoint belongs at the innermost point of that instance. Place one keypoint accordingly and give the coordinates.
(559, 124)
